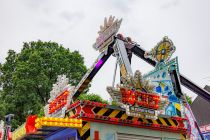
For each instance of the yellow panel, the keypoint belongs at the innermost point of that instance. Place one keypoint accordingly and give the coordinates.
(163, 122)
(88, 138)
(183, 137)
(19, 133)
(178, 106)
(145, 121)
(154, 122)
(124, 116)
(84, 129)
(171, 122)
(123, 70)
(71, 113)
(114, 113)
(102, 111)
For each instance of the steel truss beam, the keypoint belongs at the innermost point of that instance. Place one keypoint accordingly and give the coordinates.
(138, 51)
(83, 84)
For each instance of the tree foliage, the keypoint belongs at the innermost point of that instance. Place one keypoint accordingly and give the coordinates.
(92, 97)
(27, 77)
(189, 99)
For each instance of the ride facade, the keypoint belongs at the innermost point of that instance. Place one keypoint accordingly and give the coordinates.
(147, 107)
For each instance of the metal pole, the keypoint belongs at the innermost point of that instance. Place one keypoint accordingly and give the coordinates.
(5, 134)
(8, 119)
(115, 71)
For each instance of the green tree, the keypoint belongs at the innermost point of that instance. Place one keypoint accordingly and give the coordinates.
(27, 77)
(7, 86)
(92, 97)
(2, 108)
(189, 99)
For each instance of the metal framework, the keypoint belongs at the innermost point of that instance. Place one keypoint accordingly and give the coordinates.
(125, 68)
(138, 51)
(138, 108)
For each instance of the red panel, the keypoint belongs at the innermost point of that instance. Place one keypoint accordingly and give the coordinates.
(88, 109)
(30, 124)
(73, 105)
(78, 109)
(143, 99)
(58, 102)
(96, 135)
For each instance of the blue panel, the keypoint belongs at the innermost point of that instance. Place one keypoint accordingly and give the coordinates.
(64, 134)
(160, 78)
(158, 89)
(171, 110)
(207, 136)
(173, 98)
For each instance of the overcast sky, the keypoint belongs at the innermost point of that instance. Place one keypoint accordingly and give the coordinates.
(75, 23)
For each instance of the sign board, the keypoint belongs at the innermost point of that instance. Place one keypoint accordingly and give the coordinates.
(205, 128)
(58, 87)
(107, 33)
(60, 98)
(141, 112)
(137, 97)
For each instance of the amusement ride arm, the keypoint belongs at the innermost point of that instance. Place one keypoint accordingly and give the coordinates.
(92, 72)
(138, 51)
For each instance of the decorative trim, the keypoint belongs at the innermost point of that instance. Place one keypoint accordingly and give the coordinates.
(98, 112)
(132, 123)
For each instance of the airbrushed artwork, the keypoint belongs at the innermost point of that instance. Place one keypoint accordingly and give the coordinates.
(152, 94)
(163, 85)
